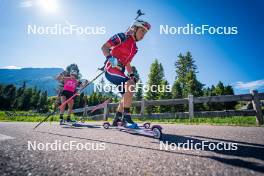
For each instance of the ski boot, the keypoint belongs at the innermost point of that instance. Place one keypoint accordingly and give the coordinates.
(129, 122)
(117, 119)
(61, 119)
(69, 120)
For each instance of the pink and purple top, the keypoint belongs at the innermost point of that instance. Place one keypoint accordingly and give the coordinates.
(70, 84)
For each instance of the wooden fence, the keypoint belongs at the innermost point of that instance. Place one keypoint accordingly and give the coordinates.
(254, 97)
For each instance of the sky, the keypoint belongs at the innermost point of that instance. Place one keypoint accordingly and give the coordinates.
(234, 59)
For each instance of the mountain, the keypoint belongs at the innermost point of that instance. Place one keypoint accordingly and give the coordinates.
(42, 78)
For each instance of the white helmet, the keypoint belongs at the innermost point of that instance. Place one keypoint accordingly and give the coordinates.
(143, 24)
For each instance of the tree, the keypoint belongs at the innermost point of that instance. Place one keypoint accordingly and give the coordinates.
(23, 102)
(9, 95)
(26, 99)
(102, 85)
(155, 78)
(2, 101)
(96, 98)
(165, 94)
(186, 79)
(193, 86)
(43, 102)
(35, 98)
(230, 91)
(23, 98)
(115, 99)
(177, 93)
(218, 90)
(181, 69)
(52, 103)
(79, 101)
(186, 70)
(18, 101)
(138, 96)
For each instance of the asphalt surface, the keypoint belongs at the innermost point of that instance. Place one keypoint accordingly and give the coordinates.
(111, 152)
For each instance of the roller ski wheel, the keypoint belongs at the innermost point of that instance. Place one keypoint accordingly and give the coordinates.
(82, 120)
(157, 133)
(106, 125)
(146, 125)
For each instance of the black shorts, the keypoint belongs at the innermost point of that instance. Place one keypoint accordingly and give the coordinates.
(118, 80)
(67, 94)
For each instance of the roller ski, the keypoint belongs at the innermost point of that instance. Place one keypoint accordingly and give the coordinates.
(73, 124)
(145, 130)
(127, 125)
(76, 124)
(67, 122)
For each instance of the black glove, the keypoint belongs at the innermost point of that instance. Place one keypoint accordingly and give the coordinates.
(133, 77)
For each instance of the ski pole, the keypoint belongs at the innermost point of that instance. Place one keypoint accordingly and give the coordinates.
(139, 13)
(64, 103)
(99, 106)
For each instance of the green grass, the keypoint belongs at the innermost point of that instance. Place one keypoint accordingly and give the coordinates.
(234, 121)
(36, 118)
(230, 121)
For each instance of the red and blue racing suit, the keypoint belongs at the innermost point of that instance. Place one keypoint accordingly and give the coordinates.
(124, 48)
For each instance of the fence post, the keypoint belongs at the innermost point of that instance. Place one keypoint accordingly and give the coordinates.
(106, 112)
(142, 107)
(85, 106)
(257, 107)
(191, 109)
(85, 111)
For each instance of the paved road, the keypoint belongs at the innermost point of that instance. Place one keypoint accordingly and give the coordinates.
(111, 152)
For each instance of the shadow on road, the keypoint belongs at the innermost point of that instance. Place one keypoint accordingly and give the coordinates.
(233, 141)
(244, 149)
(80, 126)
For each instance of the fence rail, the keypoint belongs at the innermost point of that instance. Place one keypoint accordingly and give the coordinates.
(254, 97)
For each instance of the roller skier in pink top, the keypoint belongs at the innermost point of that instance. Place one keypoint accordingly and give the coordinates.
(70, 85)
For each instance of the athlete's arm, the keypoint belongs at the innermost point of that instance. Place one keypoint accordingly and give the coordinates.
(59, 77)
(129, 68)
(112, 42)
(106, 49)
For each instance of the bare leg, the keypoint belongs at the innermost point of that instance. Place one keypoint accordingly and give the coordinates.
(128, 95)
(62, 109)
(120, 107)
(70, 105)
(125, 102)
